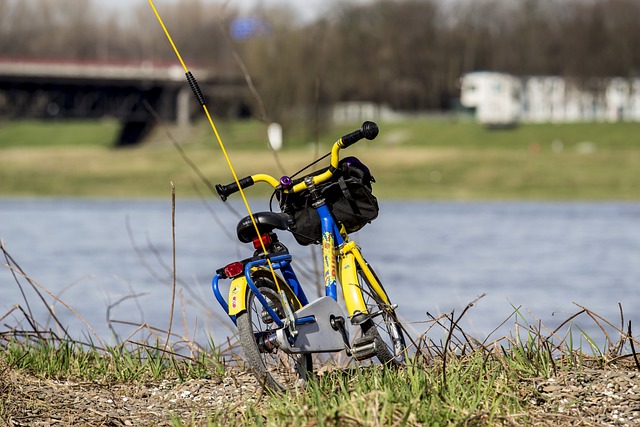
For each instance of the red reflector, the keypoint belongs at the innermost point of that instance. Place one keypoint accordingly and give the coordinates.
(265, 238)
(234, 269)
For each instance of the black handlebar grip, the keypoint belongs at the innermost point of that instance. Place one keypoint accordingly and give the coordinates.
(369, 130)
(225, 191)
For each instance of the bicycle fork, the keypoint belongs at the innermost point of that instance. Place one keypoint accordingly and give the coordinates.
(351, 264)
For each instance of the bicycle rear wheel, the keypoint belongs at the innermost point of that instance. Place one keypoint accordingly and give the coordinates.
(383, 325)
(274, 368)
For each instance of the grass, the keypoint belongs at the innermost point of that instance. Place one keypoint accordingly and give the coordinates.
(415, 159)
(65, 133)
(476, 389)
(46, 356)
(458, 382)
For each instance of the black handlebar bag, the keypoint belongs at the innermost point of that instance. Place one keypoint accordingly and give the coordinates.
(348, 195)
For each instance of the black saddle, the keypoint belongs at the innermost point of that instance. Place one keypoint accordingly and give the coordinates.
(266, 222)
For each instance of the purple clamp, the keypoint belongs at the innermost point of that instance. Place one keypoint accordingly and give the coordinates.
(286, 182)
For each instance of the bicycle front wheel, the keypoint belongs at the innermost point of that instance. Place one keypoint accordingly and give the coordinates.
(383, 325)
(277, 370)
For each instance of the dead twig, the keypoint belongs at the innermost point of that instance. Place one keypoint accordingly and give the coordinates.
(16, 271)
(75, 313)
(115, 304)
(173, 257)
(633, 348)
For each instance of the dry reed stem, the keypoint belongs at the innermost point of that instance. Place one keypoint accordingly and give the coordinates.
(173, 258)
(68, 307)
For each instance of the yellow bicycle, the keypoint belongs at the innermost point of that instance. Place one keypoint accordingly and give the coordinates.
(278, 327)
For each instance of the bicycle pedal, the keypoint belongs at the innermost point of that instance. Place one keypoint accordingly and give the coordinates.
(363, 348)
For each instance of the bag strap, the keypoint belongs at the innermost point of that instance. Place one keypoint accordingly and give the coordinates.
(348, 196)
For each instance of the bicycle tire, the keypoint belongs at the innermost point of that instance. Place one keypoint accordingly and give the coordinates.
(276, 370)
(385, 328)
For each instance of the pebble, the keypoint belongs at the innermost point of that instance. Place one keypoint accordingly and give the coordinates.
(608, 397)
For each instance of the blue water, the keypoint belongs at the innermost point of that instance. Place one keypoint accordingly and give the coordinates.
(111, 262)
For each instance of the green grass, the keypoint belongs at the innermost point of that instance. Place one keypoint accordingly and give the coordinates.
(476, 389)
(68, 133)
(65, 359)
(481, 386)
(411, 159)
(467, 134)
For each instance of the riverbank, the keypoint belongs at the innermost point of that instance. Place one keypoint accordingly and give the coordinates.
(481, 389)
(412, 159)
(533, 375)
(592, 397)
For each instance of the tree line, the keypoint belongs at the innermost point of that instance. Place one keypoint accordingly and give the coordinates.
(408, 54)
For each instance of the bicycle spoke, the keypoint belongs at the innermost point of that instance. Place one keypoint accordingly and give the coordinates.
(382, 324)
(278, 370)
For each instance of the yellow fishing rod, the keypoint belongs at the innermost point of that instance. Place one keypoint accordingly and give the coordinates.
(200, 97)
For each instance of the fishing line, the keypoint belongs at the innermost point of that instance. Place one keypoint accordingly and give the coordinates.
(200, 97)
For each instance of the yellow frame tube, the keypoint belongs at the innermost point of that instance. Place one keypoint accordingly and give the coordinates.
(351, 291)
(350, 258)
(351, 249)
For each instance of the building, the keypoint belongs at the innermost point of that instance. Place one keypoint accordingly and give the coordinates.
(501, 99)
(495, 97)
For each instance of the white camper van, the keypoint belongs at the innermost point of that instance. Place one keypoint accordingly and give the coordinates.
(496, 97)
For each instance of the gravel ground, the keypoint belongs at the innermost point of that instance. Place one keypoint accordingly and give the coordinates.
(590, 397)
(37, 402)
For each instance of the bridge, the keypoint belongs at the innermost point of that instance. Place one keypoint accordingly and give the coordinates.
(58, 89)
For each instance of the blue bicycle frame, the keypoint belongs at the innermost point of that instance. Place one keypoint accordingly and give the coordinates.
(331, 239)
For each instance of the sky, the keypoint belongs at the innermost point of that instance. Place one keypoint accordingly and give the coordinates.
(306, 9)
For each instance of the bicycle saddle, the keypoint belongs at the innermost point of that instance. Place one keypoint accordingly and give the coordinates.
(266, 222)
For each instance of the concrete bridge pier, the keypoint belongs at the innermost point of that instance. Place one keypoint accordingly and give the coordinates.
(183, 106)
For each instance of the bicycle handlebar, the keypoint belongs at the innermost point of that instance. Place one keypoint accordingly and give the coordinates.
(369, 130)
(225, 191)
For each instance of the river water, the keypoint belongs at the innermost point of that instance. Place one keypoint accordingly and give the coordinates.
(110, 261)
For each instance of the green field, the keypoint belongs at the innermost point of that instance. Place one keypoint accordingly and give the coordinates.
(416, 158)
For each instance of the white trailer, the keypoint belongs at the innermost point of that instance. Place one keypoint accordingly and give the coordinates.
(502, 99)
(496, 97)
